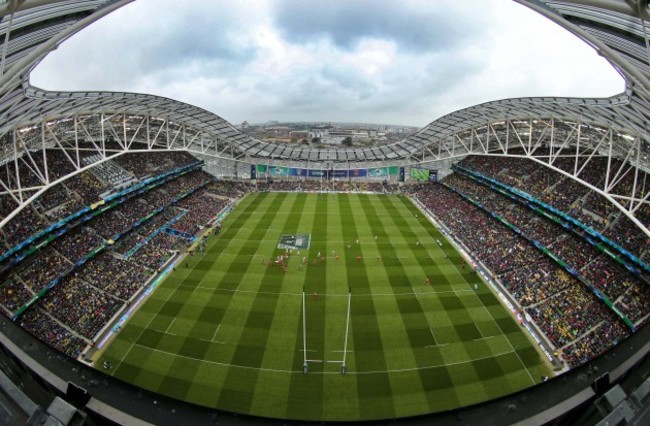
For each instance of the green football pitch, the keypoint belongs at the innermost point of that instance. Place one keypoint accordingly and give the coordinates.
(227, 330)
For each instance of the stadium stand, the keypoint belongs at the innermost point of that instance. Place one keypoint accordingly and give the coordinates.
(579, 324)
(73, 259)
(572, 318)
(83, 293)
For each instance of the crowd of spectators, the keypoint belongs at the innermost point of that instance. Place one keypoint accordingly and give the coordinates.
(391, 188)
(625, 185)
(566, 316)
(120, 278)
(535, 282)
(201, 207)
(157, 221)
(161, 196)
(80, 306)
(564, 194)
(574, 320)
(341, 186)
(593, 343)
(25, 224)
(46, 328)
(135, 209)
(86, 185)
(76, 244)
(111, 223)
(599, 207)
(634, 302)
(84, 299)
(625, 233)
(611, 278)
(29, 166)
(326, 185)
(558, 303)
(377, 187)
(129, 242)
(53, 197)
(230, 189)
(14, 294)
(571, 197)
(43, 267)
(7, 205)
(598, 268)
(84, 189)
(147, 164)
(64, 210)
(310, 185)
(156, 252)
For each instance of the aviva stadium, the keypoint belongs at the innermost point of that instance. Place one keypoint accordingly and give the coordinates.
(160, 266)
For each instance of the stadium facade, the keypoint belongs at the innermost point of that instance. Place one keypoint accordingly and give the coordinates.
(544, 130)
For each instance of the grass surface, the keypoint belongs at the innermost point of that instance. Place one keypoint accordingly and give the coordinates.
(226, 331)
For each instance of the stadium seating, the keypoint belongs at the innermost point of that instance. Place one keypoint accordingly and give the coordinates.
(577, 322)
(84, 292)
(568, 196)
(151, 226)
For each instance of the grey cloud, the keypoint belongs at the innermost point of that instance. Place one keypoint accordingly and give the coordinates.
(129, 46)
(346, 23)
(342, 78)
(202, 37)
(199, 52)
(196, 35)
(403, 95)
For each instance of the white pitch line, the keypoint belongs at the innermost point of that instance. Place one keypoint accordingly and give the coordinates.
(215, 333)
(276, 293)
(504, 335)
(134, 341)
(165, 332)
(433, 336)
(218, 342)
(246, 367)
(170, 326)
(442, 345)
(479, 332)
(347, 329)
(304, 330)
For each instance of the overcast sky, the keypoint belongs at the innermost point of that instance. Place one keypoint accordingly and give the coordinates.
(402, 62)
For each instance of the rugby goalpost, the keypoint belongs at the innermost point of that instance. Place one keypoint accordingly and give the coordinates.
(306, 361)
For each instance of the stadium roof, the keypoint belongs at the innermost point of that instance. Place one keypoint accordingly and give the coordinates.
(33, 28)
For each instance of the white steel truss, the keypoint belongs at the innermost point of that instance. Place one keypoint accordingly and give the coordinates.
(549, 130)
(103, 136)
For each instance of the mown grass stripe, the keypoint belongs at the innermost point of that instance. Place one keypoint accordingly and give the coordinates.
(186, 334)
(453, 256)
(305, 395)
(252, 343)
(203, 293)
(413, 318)
(487, 305)
(374, 391)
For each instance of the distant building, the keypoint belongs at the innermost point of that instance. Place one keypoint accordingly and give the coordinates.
(300, 134)
(279, 140)
(354, 134)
